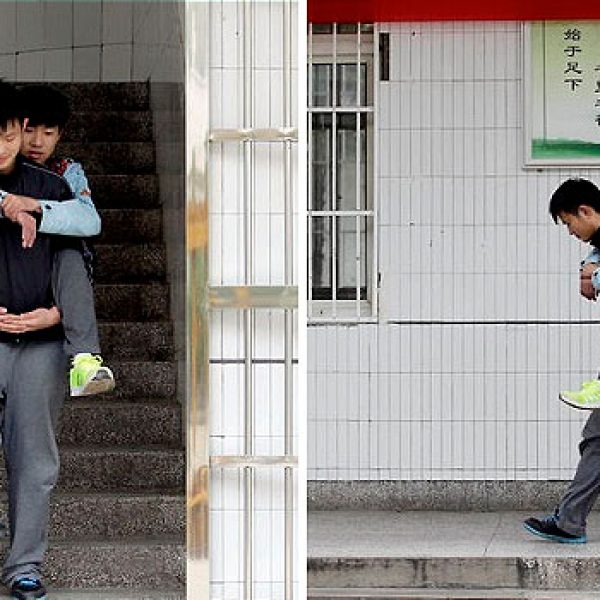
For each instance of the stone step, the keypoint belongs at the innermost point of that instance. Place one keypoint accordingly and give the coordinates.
(136, 563)
(130, 225)
(138, 381)
(450, 594)
(109, 126)
(107, 158)
(132, 302)
(136, 341)
(125, 191)
(112, 424)
(109, 594)
(112, 516)
(124, 470)
(95, 97)
(121, 469)
(565, 573)
(452, 495)
(130, 263)
(385, 550)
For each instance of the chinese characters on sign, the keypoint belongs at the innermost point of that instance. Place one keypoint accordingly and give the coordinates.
(562, 86)
(597, 94)
(573, 71)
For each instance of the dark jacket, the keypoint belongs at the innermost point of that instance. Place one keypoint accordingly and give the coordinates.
(26, 273)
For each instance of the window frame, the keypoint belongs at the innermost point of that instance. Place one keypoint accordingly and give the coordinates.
(334, 49)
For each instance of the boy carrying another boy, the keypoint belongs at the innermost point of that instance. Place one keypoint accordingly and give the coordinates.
(32, 360)
(576, 204)
(46, 111)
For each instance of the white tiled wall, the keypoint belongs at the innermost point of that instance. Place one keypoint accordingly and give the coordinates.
(96, 40)
(481, 323)
(227, 256)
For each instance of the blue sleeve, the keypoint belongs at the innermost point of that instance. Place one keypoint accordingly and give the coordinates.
(592, 257)
(77, 217)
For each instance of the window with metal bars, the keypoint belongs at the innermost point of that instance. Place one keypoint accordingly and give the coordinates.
(341, 213)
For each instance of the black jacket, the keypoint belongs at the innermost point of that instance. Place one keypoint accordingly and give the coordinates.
(25, 274)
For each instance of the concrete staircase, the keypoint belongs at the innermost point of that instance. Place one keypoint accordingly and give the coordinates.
(444, 554)
(118, 519)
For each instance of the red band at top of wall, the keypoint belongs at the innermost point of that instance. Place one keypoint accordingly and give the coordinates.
(383, 11)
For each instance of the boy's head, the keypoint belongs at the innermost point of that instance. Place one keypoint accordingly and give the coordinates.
(45, 111)
(10, 126)
(576, 203)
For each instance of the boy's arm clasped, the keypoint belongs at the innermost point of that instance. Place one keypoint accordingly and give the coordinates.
(40, 318)
(18, 209)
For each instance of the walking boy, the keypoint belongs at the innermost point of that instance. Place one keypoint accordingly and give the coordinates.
(576, 203)
(32, 361)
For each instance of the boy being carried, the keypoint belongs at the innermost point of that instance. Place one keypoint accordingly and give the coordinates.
(577, 204)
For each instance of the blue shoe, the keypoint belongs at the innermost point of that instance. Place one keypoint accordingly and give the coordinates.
(28, 588)
(548, 529)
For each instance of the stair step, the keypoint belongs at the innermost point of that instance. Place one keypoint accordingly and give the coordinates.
(373, 550)
(112, 516)
(121, 469)
(135, 226)
(141, 380)
(111, 157)
(562, 573)
(108, 594)
(111, 424)
(96, 97)
(136, 341)
(148, 564)
(450, 594)
(130, 263)
(109, 126)
(126, 470)
(132, 302)
(125, 191)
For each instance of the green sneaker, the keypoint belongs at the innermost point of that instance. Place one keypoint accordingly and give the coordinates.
(88, 376)
(587, 398)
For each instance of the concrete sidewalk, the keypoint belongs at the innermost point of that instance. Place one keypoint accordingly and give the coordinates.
(376, 550)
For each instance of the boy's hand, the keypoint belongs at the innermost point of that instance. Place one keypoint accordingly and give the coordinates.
(40, 318)
(14, 204)
(586, 288)
(28, 229)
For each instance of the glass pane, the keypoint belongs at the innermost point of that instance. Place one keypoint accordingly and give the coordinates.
(347, 237)
(346, 28)
(321, 85)
(347, 84)
(320, 28)
(321, 161)
(346, 184)
(321, 258)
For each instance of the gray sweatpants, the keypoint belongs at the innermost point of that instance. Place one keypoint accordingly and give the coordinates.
(579, 498)
(74, 297)
(33, 379)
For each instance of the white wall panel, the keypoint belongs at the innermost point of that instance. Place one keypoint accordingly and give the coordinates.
(481, 322)
(100, 40)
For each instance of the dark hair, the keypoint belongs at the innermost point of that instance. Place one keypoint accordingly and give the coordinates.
(45, 105)
(10, 104)
(571, 194)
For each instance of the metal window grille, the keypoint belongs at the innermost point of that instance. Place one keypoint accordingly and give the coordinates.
(342, 230)
(244, 297)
